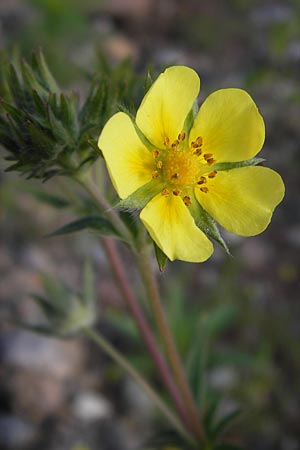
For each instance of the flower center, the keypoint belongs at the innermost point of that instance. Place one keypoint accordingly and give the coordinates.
(181, 168)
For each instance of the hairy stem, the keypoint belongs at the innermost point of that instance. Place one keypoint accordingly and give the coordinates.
(145, 330)
(106, 346)
(168, 341)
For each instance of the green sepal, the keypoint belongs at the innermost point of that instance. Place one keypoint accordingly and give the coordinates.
(190, 118)
(97, 223)
(236, 165)
(141, 196)
(161, 258)
(206, 223)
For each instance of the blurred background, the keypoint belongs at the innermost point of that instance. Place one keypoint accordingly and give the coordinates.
(65, 394)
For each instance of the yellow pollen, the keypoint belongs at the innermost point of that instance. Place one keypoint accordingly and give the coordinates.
(204, 189)
(181, 136)
(187, 200)
(159, 164)
(181, 168)
(165, 192)
(202, 180)
(155, 174)
(210, 161)
(176, 192)
(198, 151)
(212, 174)
(199, 140)
(155, 154)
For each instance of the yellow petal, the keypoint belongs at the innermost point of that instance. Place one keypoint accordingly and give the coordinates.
(243, 200)
(129, 162)
(167, 103)
(230, 125)
(172, 227)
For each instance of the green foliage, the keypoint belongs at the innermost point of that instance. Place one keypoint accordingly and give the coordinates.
(66, 311)
(45, 131)
(101, 225)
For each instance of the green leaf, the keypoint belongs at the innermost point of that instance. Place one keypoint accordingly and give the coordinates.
(228, 447)
(236, 165)
(161, 258)
(100, 224)
(220, 319)
(141, 196)
(40, 65)
(49, 199)
(206, 223)
(224, 423)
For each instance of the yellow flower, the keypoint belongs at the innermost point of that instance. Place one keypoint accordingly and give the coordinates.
(180, 167)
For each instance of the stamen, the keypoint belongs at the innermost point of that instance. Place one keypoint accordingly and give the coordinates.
(155, 174)
(194, 144)
(155, 154)
(176, 176)
(176, 192)
(181, 136)
(212, 174)
(211, 161)
(204, 189)
(202, 180)
(165, 192)
(207, 156)
(166, 140)
(199, 140)
(159, 164)
(187, 200)
(197, 152)
(175, 144)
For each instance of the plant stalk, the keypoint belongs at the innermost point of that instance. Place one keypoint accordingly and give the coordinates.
(150, 283)
(143, 326)
(106, 346)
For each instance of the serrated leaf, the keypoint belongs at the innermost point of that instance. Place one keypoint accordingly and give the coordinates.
(39, 63)
(97, 223)
(141, 196)
(236, 165)
(49, 199)
(30, 80)
(206, 223)
(161, 258)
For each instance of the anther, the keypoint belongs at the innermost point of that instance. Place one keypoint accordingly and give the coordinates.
(159, 164)
(212, 174)
(211, 161)
(155, 174)
(155, 154)
(181, 136)
(165, 192)
(175, 175)
(199, 140)
(202, 180)
(207, 156)
(175, 144)
(176, 192)
(204, 189)
(166, 140)
(194, 144)
(197, 152)
(187, 200)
